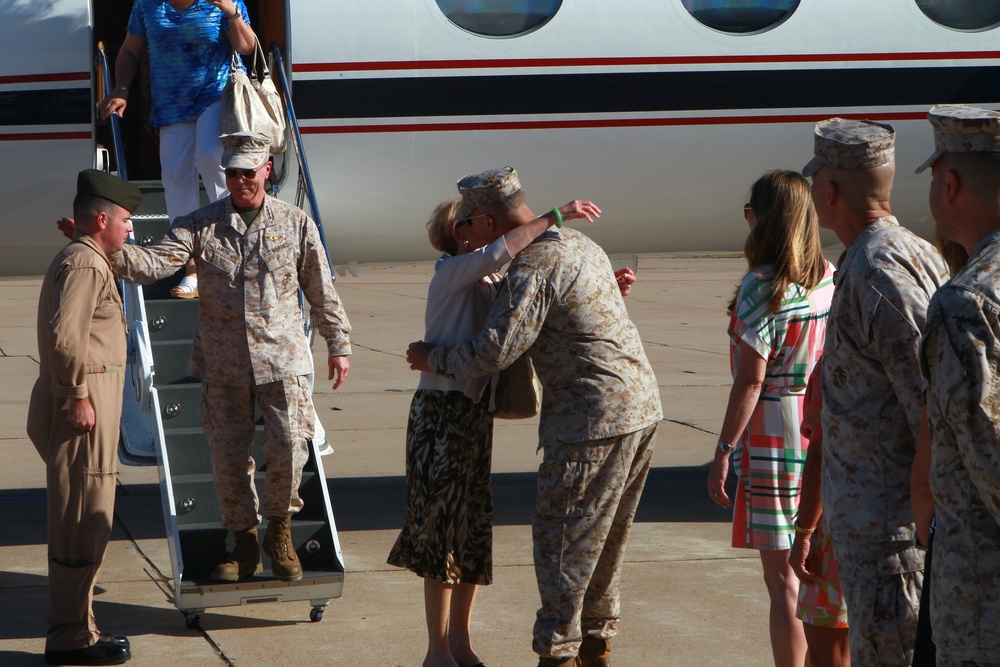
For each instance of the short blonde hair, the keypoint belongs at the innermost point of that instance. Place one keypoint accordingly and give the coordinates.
(442, 224)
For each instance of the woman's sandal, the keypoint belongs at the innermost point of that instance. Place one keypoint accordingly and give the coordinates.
(186, 289)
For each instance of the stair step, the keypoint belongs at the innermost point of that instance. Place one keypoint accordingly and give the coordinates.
(195, 499)
(180, 406)
(205, 545)
(148, 229)
(172, 319)
(190, 453)
(170, 361)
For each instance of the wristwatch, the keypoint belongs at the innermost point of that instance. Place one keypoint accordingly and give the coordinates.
(725, 447)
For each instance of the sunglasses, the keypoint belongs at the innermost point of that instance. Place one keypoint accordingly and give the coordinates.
(468, 221)
(245, 173)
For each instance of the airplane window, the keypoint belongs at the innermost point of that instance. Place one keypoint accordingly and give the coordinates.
(968, 15)
(740, 16)
(499, 18)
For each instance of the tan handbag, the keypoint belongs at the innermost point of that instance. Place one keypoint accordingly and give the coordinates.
(518, 393)
(250, 102)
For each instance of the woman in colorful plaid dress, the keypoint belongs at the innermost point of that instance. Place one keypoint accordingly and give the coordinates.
(777, 330)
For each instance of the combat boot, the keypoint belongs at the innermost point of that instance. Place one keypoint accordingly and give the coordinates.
(278, 545)
(595, 652)
(559, 662)
(243, 561)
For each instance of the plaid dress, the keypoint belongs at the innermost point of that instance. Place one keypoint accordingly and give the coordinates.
(771, 453)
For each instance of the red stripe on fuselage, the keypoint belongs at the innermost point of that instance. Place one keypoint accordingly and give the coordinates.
(45, 78)
(634, 61)
(599, 122)
(41, 136)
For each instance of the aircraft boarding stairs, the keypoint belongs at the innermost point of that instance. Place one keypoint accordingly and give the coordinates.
(161, 425)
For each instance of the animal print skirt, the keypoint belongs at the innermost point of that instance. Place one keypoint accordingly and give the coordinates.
(448, 534)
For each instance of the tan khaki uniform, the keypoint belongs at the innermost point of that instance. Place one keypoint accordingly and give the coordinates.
(600, 408)
(250, 345)
(961, 354)
(872, 407)
(81, 348)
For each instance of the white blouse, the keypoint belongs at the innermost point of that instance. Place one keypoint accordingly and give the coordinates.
(458, 301)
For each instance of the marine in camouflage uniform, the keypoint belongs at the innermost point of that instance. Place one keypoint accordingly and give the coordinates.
(872, 389)
(250, 344)
(600, 408)
(961, 356)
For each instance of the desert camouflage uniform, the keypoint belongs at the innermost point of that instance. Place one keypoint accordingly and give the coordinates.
(250, 342)
(961, 354)
(600, 407)
(872, 408)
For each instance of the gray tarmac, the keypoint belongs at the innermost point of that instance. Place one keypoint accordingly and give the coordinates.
(689, 599)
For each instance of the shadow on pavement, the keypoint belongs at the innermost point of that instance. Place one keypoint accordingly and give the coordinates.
(674, 495)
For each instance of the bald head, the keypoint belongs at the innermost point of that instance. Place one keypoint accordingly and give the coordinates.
(865, 189)
(979, 172)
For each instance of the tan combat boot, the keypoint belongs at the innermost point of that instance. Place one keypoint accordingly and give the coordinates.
(243, 561)
(559, 662)
(595, 652)
(278, 545)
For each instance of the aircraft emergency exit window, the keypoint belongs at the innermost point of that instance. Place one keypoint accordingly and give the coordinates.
(969, 15)
(740, 16)
(499, 18)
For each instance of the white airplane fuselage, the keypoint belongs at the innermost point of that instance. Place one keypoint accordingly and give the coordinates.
(660, 120)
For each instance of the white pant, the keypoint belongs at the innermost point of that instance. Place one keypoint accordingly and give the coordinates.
(189, 149)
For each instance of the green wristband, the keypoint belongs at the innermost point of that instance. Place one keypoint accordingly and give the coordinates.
(555, 210)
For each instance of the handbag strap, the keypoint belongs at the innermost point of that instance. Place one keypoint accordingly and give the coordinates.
(265, 71)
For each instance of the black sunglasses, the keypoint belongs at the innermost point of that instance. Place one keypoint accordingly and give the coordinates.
(468, 221)
(245, 173)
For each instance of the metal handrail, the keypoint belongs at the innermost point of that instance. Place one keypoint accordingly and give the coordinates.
(116, 130)
(104, 86)
(305, 178)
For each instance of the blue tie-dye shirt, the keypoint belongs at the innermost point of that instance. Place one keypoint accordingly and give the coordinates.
(189, 56)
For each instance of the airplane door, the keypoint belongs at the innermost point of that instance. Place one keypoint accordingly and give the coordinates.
(141, 140)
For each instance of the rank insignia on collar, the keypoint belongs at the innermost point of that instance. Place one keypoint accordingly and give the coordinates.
(273, 238)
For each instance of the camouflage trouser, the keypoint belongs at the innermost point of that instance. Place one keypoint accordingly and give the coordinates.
(881, 583)
(228, 420)
(587, 495)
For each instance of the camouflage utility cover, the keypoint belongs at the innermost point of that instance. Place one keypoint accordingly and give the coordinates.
(852, 145)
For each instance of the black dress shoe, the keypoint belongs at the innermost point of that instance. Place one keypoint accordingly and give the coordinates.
(101, 653)
(114, 639)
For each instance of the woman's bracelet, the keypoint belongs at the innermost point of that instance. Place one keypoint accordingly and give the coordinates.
(558, 214)
(803, 531)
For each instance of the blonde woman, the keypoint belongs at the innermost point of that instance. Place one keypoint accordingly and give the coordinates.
(448, 535)
(777, 330)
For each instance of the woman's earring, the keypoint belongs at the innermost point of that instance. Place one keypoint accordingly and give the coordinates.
(466, 243)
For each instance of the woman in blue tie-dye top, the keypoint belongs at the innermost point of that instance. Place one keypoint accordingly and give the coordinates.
(190, 44)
